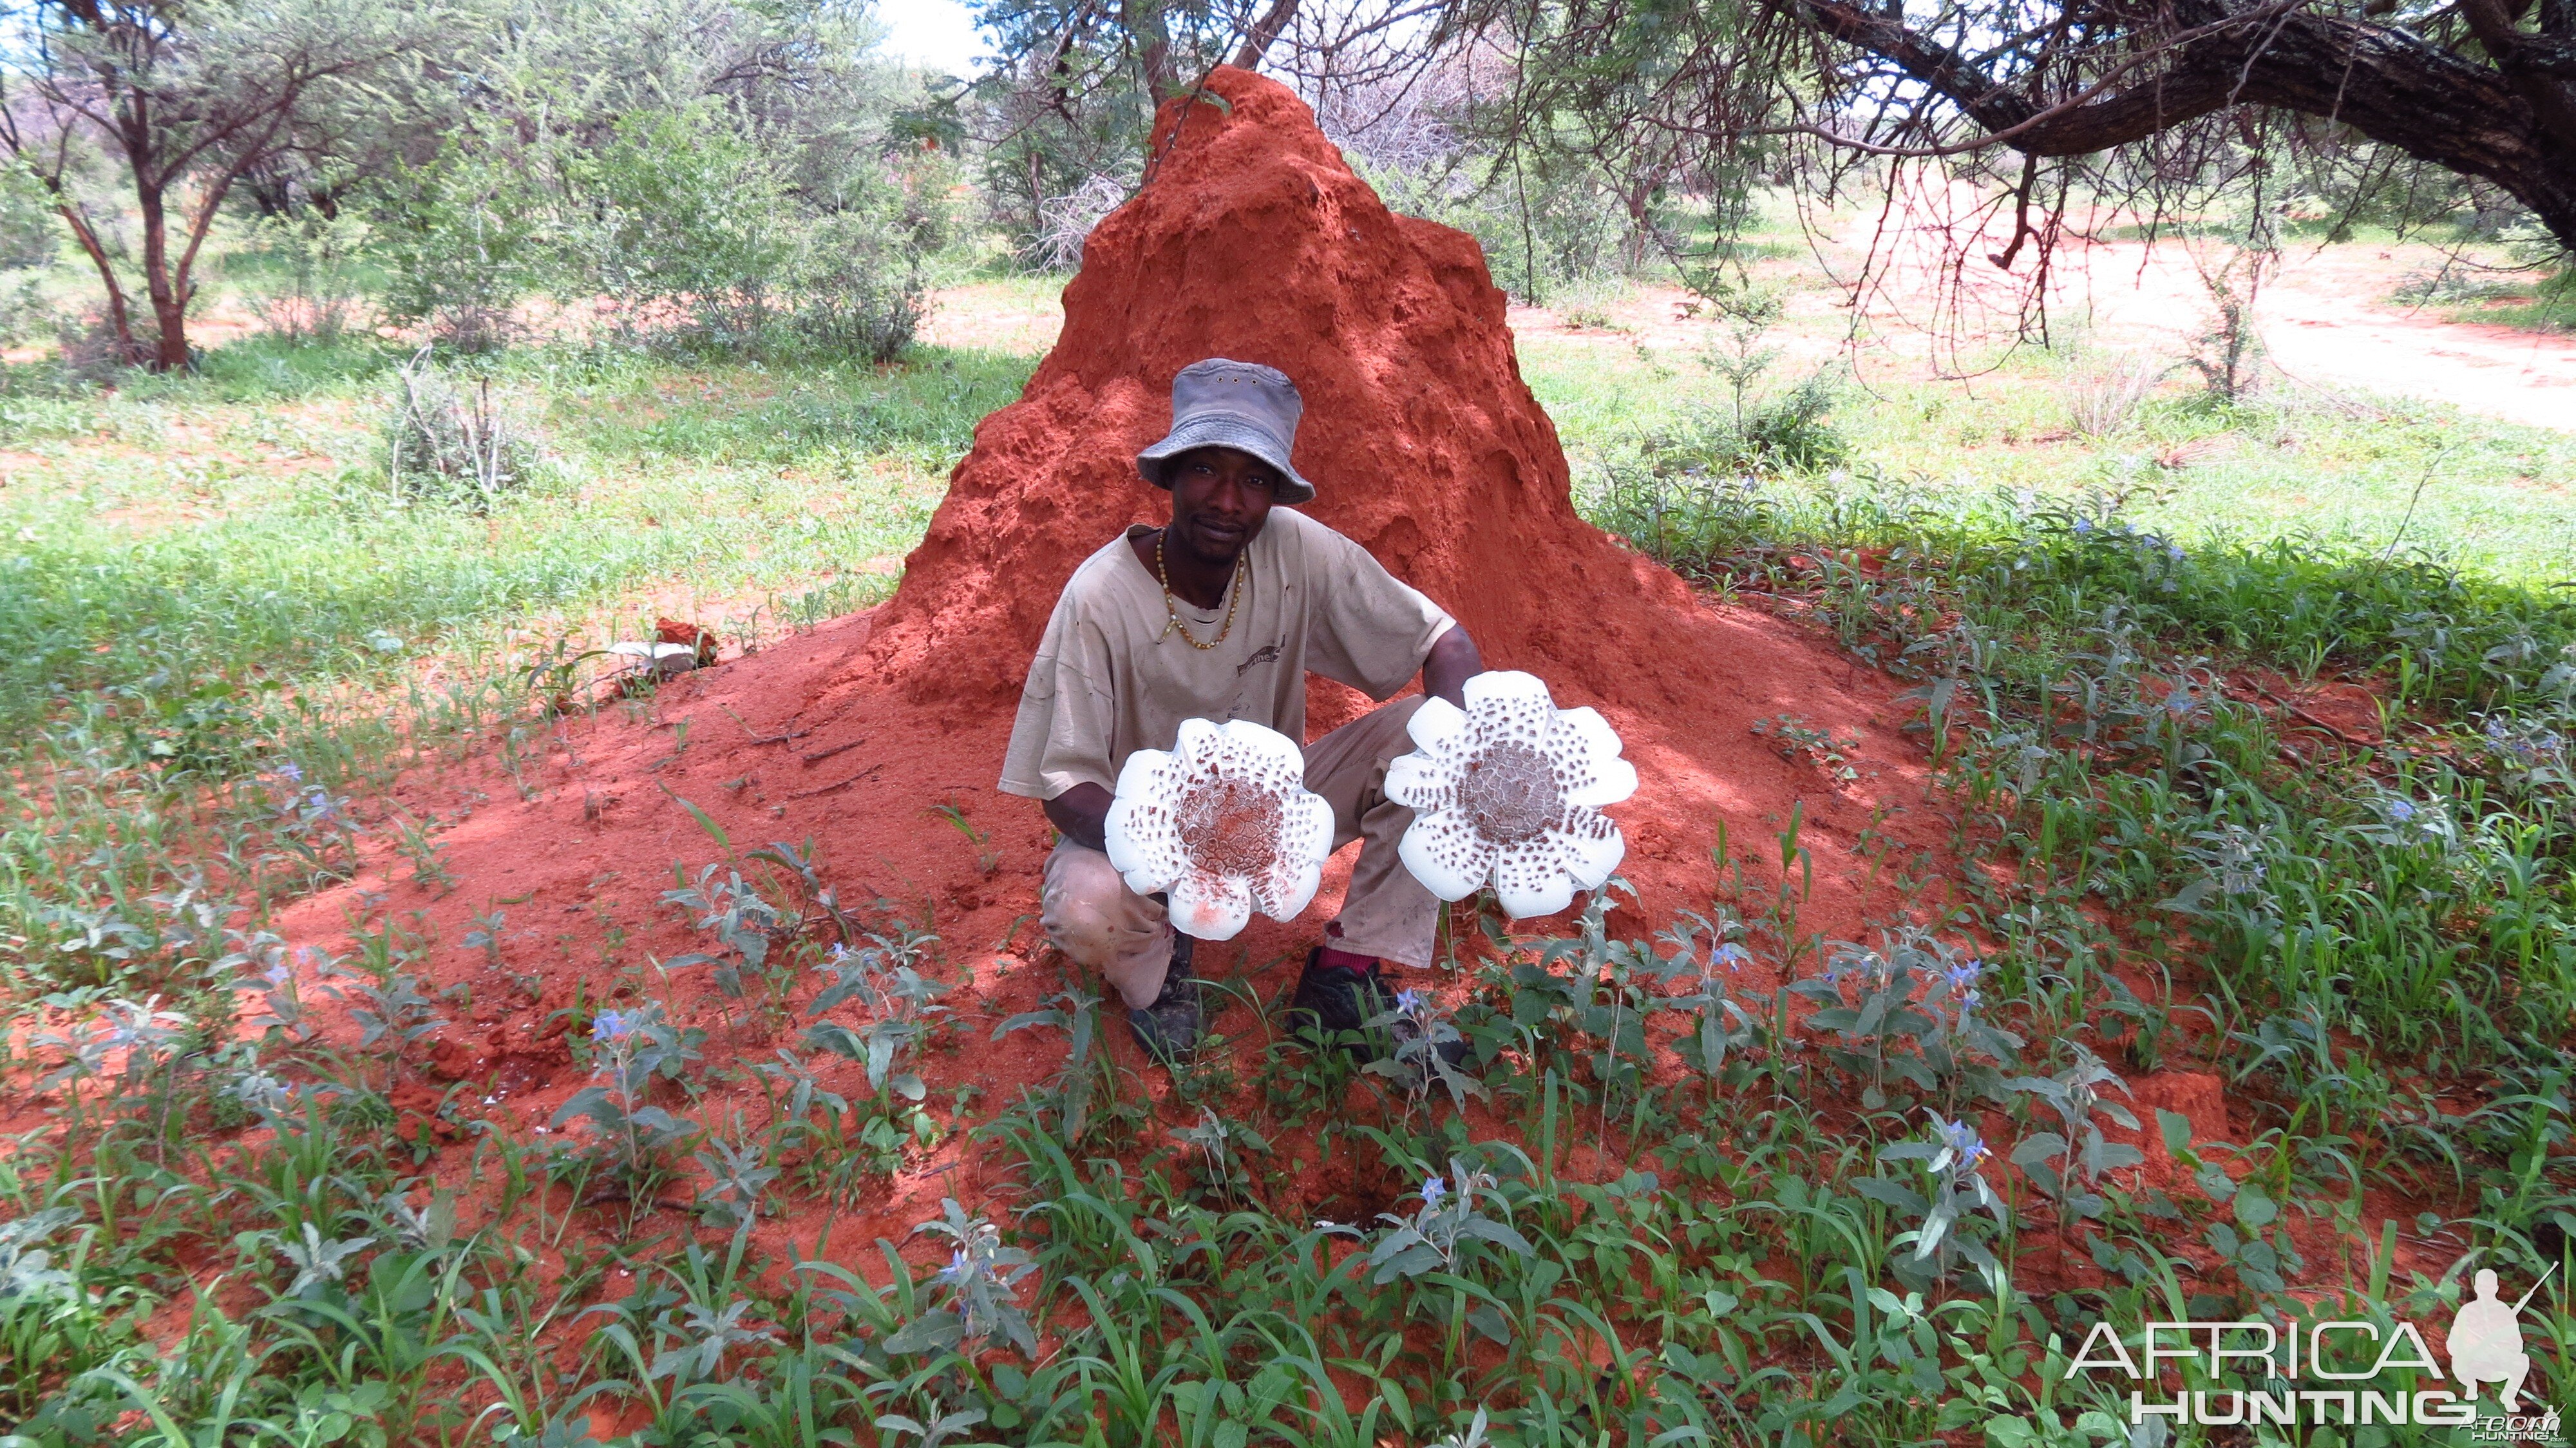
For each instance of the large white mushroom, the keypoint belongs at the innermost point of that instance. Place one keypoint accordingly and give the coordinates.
(1223, 820)
(1507, 790)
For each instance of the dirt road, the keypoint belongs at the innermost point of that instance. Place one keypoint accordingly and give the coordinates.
(2325, 317)
(2324, 322)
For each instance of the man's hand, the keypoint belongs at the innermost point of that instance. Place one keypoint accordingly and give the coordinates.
(1081, 814)
(1453, 660)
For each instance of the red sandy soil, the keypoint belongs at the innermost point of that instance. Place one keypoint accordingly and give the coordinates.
(1252, 240)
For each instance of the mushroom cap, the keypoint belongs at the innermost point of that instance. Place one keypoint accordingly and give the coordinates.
(1217, 882)
(1532, 827)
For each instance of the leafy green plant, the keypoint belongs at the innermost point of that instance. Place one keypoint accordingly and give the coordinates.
(387, 1005)
(1606, 994)
(486, 936)
(745, 923)
(1939, 1040)
(977, 1290)
(634, 1138)
(1076, 1013)
(799, 861)
(1955, 1185)
(1215, 1152)
(428, 866)
(1440, 1231)
(1419, 1057)
(987, 859)
(738, 1173)
(1443, 1245)
(1823, 748)
(902, 1008)
(1723, 1024)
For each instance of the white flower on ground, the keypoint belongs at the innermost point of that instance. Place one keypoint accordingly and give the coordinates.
(1508, 790)
(1225, 823)
(659, 658)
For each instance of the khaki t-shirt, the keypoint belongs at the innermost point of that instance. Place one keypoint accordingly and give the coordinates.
(1108, 680)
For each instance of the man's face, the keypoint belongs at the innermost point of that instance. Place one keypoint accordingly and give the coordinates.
(1220, 498)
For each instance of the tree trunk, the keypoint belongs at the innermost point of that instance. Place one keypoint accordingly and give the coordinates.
(1264, 32)
(1145, 20)
(169, 295)
(1639, 197)
(118, 318)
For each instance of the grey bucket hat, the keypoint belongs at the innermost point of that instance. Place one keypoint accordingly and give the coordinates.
(1241, 405)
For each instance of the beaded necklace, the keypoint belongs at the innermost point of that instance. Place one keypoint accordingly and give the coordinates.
(1234, 591)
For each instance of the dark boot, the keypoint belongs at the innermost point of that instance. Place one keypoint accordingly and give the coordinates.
(1169, 1028)
(1331, 999)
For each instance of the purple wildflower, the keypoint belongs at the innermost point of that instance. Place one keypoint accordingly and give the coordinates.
(1959, 1140)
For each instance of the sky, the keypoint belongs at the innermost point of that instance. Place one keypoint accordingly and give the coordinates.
(934, 34)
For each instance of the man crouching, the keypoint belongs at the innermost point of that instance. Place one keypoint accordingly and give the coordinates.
(1219, 615)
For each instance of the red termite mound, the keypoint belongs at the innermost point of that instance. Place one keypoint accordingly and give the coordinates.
(1252, 239)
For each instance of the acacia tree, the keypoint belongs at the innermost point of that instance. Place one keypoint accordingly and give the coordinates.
(173, 103)
(2129, 95)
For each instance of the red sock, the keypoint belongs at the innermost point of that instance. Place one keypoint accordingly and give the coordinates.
(1346, 959)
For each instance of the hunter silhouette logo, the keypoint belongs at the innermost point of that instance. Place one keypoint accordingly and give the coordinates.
(2486, 1342)
(2332, 1373)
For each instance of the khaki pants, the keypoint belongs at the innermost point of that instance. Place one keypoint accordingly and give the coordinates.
(1093, 917)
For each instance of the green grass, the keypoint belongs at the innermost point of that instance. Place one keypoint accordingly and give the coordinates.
(2334, 473)
(217, 536)
(2493, 290)
(2552, 313)
(216, 576)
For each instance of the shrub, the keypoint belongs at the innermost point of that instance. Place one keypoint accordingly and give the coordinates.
(450, 442)
(309, 289)
(858, 284)
(693, 226)
(30, 232)
(677, 226)
(1790, 432)
(2103, 393)
(1795, 431)
(462, 242)
(847, 304)
(1065, 222)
